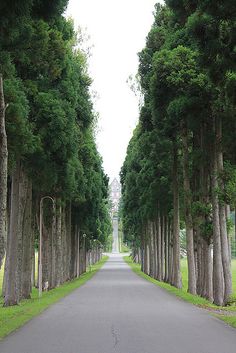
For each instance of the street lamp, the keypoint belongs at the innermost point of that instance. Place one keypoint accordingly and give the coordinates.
(40, 273)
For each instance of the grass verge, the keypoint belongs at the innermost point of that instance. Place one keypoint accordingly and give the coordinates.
(230, 320)
(184, 271)
(229, 317)
(14, 317)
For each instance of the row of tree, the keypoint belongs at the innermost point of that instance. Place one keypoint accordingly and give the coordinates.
(48, 154)
(180, 168)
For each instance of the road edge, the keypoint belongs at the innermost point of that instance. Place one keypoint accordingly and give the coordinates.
(227, 317)
(14, 317)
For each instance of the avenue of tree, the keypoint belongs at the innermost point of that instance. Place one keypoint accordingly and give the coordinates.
(47, 148)
(180, 168)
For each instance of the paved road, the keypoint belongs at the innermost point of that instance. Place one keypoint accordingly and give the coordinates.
(117, 311)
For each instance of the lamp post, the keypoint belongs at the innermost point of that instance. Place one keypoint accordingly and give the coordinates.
(40, 272)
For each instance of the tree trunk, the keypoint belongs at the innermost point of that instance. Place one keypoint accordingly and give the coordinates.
(58, 243)
(151, 250)
(226, 260)
(46, 246)
(159, 249)
(154, 250)
(11, 285)
(218, 279)
(19, 233)
(162, 249)
(207, 263)
(64, 245)
(148, 249)
(176, 274)
(206, 239)
(188, 214)
(3, 174)
(166, 249)
(53, 247)
(69, 244)
(170, 252)
(142, 252)
(200, 266)
(227, 213)
(28, 245)
(78, 253)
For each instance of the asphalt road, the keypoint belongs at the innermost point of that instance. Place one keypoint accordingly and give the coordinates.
(117, 311)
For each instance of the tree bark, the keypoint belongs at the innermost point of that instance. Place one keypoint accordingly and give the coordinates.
(3, 175)
(166, 249)
(28, 245)
(206, 239)
(162, 249)
(176, 274)
(207, 263)
(170, 252)
(159, 249)
(154, 250)
(200, 265)
(18, 246)
(218, 279)
(226, 260)
(11, 285)
(69, 243)
(58, 243)
(151, 250)
(64, 244)
(188, 214)
(46, 246)
(78, 253)
(53, 247)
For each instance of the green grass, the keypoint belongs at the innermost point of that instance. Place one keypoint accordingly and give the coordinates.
(183, 294)
(14, 317)
(178, 292)
(184, 271)
(234, 276)
(230, 320)
(2, 272)
(124, 248)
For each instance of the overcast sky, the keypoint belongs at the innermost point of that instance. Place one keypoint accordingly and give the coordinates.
(117, 30)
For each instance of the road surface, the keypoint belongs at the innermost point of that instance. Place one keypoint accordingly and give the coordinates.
(117, 311)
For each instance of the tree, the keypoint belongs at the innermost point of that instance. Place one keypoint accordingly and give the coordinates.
(189, 106)
(51, 145)
(3, 174)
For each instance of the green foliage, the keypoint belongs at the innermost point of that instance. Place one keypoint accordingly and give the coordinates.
(187, 76)
(229, 178)
(50, 117)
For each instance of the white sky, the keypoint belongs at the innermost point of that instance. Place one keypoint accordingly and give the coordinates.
(118, 30)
